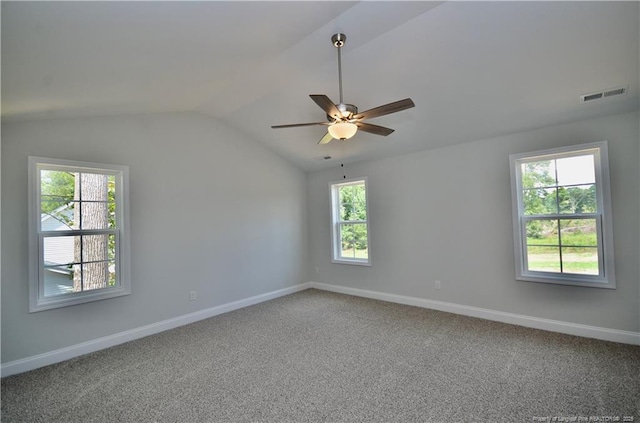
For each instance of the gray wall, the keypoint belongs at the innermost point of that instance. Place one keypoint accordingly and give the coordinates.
(214, 212)
(210, 211)
(446, 214)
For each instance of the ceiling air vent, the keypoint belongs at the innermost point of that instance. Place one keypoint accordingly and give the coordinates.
(584, 98)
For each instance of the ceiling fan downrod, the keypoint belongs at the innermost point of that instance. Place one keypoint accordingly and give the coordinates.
(338, 41)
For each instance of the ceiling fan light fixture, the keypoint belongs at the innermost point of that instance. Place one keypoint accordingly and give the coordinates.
(343, 130)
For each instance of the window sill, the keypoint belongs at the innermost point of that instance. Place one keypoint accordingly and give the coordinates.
(574, 280)
(77, 298)
(353, 262)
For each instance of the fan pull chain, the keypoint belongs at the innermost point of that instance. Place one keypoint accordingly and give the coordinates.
(344, 174)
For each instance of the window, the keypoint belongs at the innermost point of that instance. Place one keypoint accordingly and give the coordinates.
(562, 216)
(350, 223)
(78, 237)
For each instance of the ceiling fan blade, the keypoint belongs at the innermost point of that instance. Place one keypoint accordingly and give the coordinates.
(325, 140)
(386, 109)
(327, 105)
(374, 129)
(294, 125)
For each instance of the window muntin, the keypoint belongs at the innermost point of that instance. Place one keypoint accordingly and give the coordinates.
(78, 238)
(562, 219)
(350, 224)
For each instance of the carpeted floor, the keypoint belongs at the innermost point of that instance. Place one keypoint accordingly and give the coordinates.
(319, 356)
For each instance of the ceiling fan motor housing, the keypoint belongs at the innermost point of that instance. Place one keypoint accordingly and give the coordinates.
(347, 111)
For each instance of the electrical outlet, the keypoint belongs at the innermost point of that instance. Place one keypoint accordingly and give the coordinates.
(193, 295)
(317, 270)
(438, 285)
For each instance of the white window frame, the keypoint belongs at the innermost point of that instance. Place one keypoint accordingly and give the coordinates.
(604, 223)
(37, 299)
(336, 249)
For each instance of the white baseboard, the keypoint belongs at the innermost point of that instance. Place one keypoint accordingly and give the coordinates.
(62, 354)
(614, 335)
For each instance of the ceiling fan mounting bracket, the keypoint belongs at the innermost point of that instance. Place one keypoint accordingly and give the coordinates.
(338, 40)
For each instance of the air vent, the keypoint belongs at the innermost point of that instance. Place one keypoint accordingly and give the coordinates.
(615, 91)
(591, 97)
(603, 94)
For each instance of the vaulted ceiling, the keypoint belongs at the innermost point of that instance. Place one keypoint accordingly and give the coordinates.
(474, 69)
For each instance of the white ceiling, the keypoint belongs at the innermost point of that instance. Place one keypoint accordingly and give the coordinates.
(474, 69)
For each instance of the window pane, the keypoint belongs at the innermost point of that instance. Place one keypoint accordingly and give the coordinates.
(65, 250)
(346, 212)
(543, 259)
(76, 200)
(359, 210)
(79, 215)
(538, 174)
(112, 273)
(57, 188)
(92, 273)
(345, 199)
(582, 260)
(359, 194)
(58, 219)
(345, 194)
(111, 201)
(98, 247)
(360, 241)
(93, 215)
(57, 192)
(353, 240)
(59, 250)
(93, 186)
(352, 203)
(542, 232)
(579, 232)
(539, 201)
(353, 211)
(359, 202)
(348, 251)
(578, 199)
(58, 280)
(95, 275)
(577, 170)
(346, 240)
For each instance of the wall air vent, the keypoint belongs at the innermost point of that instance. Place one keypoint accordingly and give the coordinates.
(615, 91)
(584, 98)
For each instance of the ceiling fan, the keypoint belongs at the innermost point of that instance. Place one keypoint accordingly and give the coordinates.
(343, 120)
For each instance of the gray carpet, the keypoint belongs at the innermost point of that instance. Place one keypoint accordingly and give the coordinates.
(319, 356)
